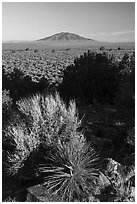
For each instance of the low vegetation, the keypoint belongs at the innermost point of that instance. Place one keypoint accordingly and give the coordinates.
(61, 114)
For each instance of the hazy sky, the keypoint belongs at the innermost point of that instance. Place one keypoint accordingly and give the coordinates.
(108, 21)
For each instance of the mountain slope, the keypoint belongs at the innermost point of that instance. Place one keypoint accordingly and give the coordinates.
(65, 36)
(68, 40)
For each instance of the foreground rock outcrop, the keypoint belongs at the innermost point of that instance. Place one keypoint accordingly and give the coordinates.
(116, 184)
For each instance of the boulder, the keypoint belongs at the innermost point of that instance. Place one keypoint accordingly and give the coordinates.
(122, 179)
(36, 194)
(117, 174)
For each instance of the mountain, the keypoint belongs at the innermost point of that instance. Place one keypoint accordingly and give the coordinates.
(65, 40)
(65, 36)
(68, 39)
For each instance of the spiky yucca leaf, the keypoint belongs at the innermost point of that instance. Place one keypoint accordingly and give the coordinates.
(71, 171)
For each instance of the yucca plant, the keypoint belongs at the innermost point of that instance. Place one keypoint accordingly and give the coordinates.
(71, 171)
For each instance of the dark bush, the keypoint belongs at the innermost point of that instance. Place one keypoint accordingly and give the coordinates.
(125, 97)
(21, 85)
(102, 48)
(6, 105)
(92, 77)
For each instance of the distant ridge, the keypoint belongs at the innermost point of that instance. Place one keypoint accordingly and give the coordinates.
(65, 36)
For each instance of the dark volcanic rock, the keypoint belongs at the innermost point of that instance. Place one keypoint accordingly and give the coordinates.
(122, 179)
(38, 193)
(118, 174)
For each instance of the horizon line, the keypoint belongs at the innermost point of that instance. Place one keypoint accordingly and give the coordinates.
(17, 41)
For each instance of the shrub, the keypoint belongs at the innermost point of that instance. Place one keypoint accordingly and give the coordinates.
(102, 48)
(23, 143)
(92, 77)
(49, 117)
(22, 85)
(6, 106)
(125, 97)
(6, 100)
(46, 121)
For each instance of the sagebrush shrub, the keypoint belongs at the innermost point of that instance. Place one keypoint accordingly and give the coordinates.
(6, 99)
(6, 106)
(23, 142)
(47, 122)
(49, 117)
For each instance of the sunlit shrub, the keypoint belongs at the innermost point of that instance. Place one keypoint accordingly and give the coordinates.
(49, 117)
(6, 100)
(46, 121)
(23, 143)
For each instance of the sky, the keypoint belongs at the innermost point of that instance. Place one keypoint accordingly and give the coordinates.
(103, 21)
